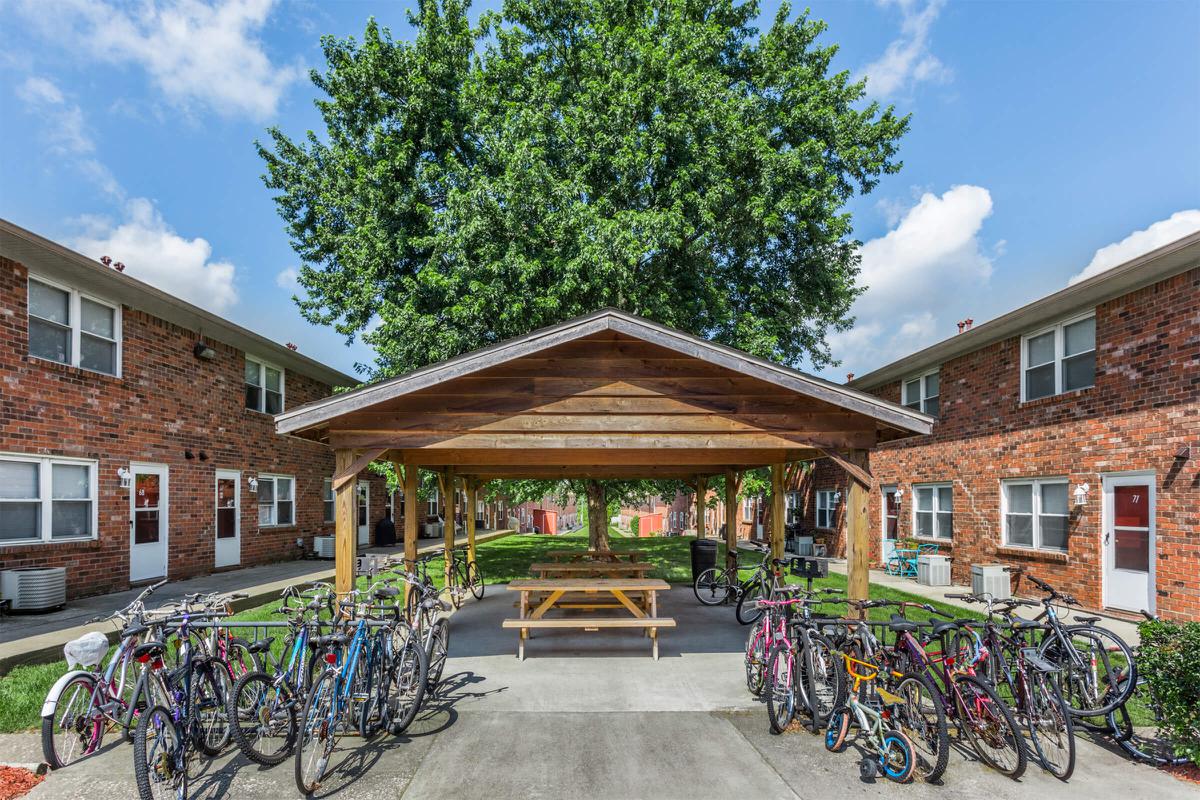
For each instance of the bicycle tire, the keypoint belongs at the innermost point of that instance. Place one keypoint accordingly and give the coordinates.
(318, 734)
(1146, 746)
(711, 587)
(748, 611)
(896, 742)
(475, 580)
(457, 587)
(209, 703)
(277, 703)
(1050, 727)
(411, 674)
(824, 678)
(780, 687)
(1120, 684)
(372, 712)
(58, 757)
(756, 660)
(997, 715)
(153, 765)
(437, 651)
(922, 718)
(837, 730)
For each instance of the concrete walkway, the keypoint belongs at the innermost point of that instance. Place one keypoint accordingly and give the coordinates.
(37, 638)
(1123, 628)
(590, 715)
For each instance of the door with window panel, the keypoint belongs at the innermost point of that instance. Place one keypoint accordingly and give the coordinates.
(1129, 542)
(891, 523)
(148, 503)
(228, 545)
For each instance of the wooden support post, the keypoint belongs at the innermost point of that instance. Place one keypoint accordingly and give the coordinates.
(451, 514)
(471, 486)
(777, 511)
(858, 535)
(412, 479)
(731, 509)
(345, 535)
(701, 492)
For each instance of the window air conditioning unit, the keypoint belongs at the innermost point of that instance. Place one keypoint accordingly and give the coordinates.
(34, 588)
(323, 546)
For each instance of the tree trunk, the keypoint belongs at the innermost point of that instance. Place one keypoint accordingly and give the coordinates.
(597, 516)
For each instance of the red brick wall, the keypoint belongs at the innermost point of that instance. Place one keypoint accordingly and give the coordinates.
(1144, 406)
(167, 401)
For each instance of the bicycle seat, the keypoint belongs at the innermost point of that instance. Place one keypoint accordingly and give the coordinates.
(262, 645)
(133, 630)
(1087, 620)
(315, 605)
(887, 698)
(903, 626)
(940, 628)
(781, 562)
(151, 649)
(336, 639)
(386, 593)
(1026, 624)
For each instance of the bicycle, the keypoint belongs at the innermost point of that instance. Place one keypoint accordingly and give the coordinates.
(464, 576)
(85, 703)
(423, 613)
(763, 583)
(802, 672)
(717, 585)
(1025, 682)
(399, 667)
(893, 752)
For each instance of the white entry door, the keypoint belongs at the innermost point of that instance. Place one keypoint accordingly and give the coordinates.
(363, 513)
(148, 503)
(1129, 542)
(891, 523)
(229, 518)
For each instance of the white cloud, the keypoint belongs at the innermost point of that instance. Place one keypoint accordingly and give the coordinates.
(66, 132)
(288, 279)
(907, 60)
(1176, 226)
(37, 90)
(195, 52)
(917, 276)
(153, 252)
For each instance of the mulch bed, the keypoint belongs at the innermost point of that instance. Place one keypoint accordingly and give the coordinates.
(16, 782)
(1188, 772)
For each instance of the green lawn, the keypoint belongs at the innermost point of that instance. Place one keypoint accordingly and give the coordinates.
(23, 690)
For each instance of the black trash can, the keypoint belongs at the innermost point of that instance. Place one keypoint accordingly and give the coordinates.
(704, 556)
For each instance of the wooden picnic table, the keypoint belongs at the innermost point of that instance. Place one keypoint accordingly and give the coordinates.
(638, 596)
(595, 569)
(596, 555)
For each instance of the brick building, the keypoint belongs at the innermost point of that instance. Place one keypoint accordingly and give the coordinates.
(136, 431)
(1067, 442)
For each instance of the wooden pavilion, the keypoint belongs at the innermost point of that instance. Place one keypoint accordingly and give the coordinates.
(608, 395)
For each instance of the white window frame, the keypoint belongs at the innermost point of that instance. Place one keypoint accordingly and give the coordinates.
(46, 497)
(275, 502)
(925, 397)
(936, 511)
(432, 504)
(1035, 512)
(75, 300)
(328, 502)
(793, 507)
(1059, 356)
(747, 509)
(263, 364)
(827, 503)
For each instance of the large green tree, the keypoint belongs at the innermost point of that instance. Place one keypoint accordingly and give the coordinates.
(661, 156)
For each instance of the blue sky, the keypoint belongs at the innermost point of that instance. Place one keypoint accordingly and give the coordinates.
(1047, 138)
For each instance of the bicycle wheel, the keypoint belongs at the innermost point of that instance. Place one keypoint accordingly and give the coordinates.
(756, 659)
(922, 719)
(897, 761)
(1050, 727)
(837, 730)
(1148, 742)
(780, 687)
(989, 726)
(76, 727)
(748, 610)
(262, 717)
(407, 686)
(475, 580)
(156, 757)
(373, 677)
(458, 584)
(825, 685)
(1094, 672)
(319, 732)
(210, 692)
(240, 660)
(436, 652)
(711, 587)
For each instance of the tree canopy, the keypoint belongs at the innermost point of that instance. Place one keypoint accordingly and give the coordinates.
(661, 156)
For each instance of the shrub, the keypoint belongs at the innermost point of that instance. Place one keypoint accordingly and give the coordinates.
(633, 525)
(1167, 658)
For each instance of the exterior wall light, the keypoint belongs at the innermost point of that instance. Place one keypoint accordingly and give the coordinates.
(126, 477)
(899, 494)
(1081, 494)
(253, 482)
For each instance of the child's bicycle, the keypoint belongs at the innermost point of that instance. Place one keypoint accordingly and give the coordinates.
(890, 750)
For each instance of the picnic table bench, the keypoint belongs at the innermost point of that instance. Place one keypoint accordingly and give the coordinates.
(593, 569)
(595, 555)
(638, 596)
